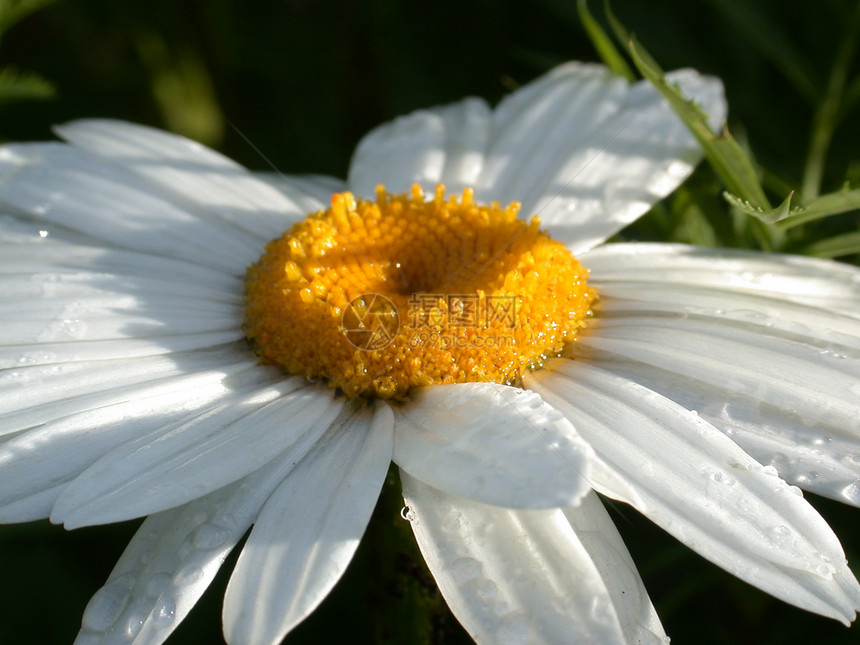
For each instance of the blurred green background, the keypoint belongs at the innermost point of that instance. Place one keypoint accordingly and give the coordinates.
(303, 80)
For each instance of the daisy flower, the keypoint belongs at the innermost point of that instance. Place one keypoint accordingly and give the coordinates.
(161, 359)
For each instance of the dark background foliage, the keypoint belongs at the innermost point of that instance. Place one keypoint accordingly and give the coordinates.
(293, 84)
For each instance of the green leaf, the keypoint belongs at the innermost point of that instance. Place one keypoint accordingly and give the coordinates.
(729, 161)
(769, 216)
(828, 110)
(841, 201)
(17, 86)
(834, 247)
(607, 51)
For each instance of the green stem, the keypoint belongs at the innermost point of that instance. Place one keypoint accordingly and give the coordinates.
(826, 116)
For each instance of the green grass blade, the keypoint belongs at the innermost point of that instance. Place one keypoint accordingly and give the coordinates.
(607, 51)
(835, 247)
(727, 158)
(11, 11)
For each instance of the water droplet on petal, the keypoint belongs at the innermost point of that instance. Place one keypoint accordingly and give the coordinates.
(513, 630)
(780, 533)
(465, 569)
(107, 604)
(407, 513)
(852, 492)
(135, 623)
(720, 478)
(208, 536)
(825, 571)
(165, 613)
(189, 577)
(770, 471)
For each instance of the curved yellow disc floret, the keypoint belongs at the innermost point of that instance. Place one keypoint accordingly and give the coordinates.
(378, 297)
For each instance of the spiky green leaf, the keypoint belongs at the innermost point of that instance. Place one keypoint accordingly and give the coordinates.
(768, 216)
(841, 201)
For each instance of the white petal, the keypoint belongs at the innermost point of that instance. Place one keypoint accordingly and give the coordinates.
(823, 283)
(198, 179)
(467, 131)
(772, 369)
(494, 444)
(172, 559)
(32, 395)
(18, 355)
(57, 450)
(588, 153)
(58, 184)
(598, 535)
(90, 303)
(520, 576)
(426, 147)
(697, 484)
(802, 309)
(311, 192)
(811, 455)
(764, 313)
(779, 377)
(62, 255)
(35, 507)
(196, 455)
(308, 531)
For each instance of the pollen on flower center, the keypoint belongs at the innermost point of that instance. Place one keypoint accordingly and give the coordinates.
(378, 297)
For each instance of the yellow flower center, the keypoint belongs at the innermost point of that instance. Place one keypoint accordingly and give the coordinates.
(378, 297)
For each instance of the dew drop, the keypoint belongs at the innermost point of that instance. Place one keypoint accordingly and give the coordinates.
(601, 610)
(189, 577)
(487, 589)
(43, 233)
(852, 492)
(465, 569)
(135, 623)
(780, 532)
(407, 514)
(165, 613)
(720, 478)
(825, 570)
(513, 630)
(208, 536)
(107, 604)
(808, 478)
